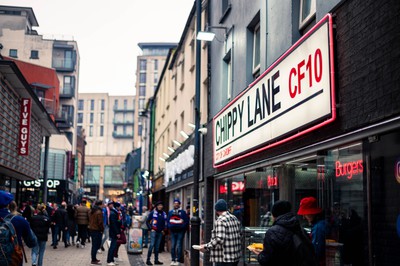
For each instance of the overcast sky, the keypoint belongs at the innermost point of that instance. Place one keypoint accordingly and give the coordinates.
(107, 33)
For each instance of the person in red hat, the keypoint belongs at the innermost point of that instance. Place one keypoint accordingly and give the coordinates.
(315, 217)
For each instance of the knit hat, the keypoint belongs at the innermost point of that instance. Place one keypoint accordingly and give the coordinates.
(158, 203)
(308, 205)
(5, 198)
(281, 207)
(177, 200)
(221, 205)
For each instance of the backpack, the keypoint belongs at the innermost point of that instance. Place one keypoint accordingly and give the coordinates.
(10, 250)
(304, 253)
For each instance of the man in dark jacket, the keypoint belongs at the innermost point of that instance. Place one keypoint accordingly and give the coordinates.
(40, 225)
(60, 220)
(96, 228)
(82, 220)
(278, 241)
(177, 224)
(114, 231)
(157, 222)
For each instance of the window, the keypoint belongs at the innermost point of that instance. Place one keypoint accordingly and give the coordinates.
(92, 175)
(142, 78)
(155, 78)
(81, 104)
(91, 131)
(143, 64)
(115, 104)
(225, 8)
(101, 118)
(125, 104)
(155, 65)
(101, 131)
(113, 175)
(91, 118)
(69, 85)
(102, 104)
(34, 54)
(13, 53)
(141, 104)
(142, 91)
(256, 50)
(227, 76)
(80, 118)
(79, 130)
(140, 129)
(91, 105)
(307, 12)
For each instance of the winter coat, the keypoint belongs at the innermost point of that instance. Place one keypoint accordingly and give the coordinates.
(82, 215)
(40, 225)
(157, 220)
(96, 219)
(115, 223)
(60, 217)
(278, 241)
(177, 220)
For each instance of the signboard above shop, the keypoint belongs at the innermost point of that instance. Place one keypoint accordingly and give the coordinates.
(294, 96)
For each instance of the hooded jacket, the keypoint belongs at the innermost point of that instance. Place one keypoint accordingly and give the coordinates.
(96, 219)
(278, 241)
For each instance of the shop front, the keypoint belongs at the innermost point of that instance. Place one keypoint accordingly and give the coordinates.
(32, 190)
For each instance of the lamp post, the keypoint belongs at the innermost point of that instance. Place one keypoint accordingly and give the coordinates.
(195, 219)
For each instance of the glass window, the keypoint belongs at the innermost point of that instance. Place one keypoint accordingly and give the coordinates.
(155, 65)
(102, 104)
(140, 129)
(115, 104)
(256, 50)
(125, 104)
(13, 53)
(141, 104)
(307, 12)
(68, 85)
(81, 104)
(92, 175)
(101, 131)
(34, 54)
(79, 130)
(155, 77)
(91, 105)
(80, 118)
(91, 131)
(143, 64)
(101, 118)
(113, 175)
(91, 118)
(142, 78)
(142, 91)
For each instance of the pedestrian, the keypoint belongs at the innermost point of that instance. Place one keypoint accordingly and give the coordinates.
(177, 224)
(21, 225)
(96, 228)
(71, 224)
(157, 220)
(106, 215)
(122, 225)
(114, 233)
(40, 224)
(225, 244)
(144, 226)
(82, 220)
(319, 228)
(279, 246)
(60, 219)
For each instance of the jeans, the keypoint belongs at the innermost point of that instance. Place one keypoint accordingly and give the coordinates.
(96, 242)
(56, 231)
(38, 253)
(155, 240)
(145, 237)
(105, 235)
(176, 245)
(113, 246)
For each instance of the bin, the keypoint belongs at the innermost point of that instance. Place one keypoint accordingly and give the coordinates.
(134, 245)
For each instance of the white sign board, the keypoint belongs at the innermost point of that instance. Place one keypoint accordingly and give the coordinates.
(294, 96)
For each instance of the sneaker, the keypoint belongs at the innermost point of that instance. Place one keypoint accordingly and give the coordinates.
(158, 262)
(96, 262)
(116, 262)
(111, 264)
(117, 259)
(82, 246)
(149, 263)
(99, 251)
(173, 263)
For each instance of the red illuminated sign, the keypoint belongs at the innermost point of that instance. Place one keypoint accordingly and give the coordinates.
(348, 169)
(272, 181)
(235, 187)
(24, 127)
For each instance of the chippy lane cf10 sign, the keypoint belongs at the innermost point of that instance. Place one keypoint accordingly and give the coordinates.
(294, 96)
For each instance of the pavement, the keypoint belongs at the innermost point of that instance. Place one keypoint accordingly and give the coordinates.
(81, 256)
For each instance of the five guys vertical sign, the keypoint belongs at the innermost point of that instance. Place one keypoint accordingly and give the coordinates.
(293, 97)
(24, 127)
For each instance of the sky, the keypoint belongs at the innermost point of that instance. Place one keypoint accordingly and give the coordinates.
(107, 33)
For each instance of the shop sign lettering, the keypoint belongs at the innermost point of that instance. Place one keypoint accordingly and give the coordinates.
(272, 181)
(348, 169)
(235, 187)
(294, 96)
(38, 183)
(24, 127)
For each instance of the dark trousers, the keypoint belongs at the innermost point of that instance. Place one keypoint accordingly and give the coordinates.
(82, 233)
(96, 243)
(113, 246)
(155, 240)
(227, 263)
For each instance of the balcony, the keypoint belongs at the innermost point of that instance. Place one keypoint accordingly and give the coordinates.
(64, 64)
(122, 122)
(118, 135)
(67, 92)
(49, 105)
(123, 109)
(65, 118)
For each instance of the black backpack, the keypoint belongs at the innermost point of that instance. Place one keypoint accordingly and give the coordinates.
(304, 253)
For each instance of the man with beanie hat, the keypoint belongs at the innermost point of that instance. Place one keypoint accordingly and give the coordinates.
(225, 244)
(279, 245)
(157, 221)
(177, 224)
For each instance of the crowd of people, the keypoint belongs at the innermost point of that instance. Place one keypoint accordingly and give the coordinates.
(73, 225)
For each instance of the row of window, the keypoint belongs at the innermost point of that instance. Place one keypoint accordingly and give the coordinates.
(81, 104)
(14, 54)
(91, 118)
(125, 130)
(143, 65)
